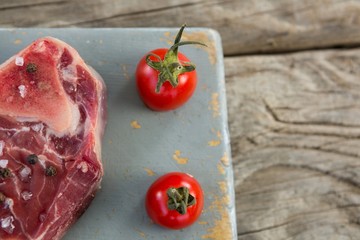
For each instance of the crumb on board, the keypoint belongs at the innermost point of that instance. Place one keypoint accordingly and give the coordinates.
(178, 159)
(214, 104)
(222, 228)
(168, 38)
(218, 134)
(225, 159)
(203, 223)
(135, 124)
(125, 71)
(17, 41)
(216, 142)
(141, 233)
(149, 172)
(223, 186)
(221, 168)
(223, 164)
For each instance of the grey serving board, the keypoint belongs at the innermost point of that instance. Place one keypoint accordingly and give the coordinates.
(139, 144)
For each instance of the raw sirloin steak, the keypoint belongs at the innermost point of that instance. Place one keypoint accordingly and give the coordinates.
(52, 118)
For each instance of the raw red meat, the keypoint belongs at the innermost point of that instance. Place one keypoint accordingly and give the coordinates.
(52, 118)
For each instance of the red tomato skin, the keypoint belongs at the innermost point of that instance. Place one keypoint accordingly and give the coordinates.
(156, 201)
(169, 98)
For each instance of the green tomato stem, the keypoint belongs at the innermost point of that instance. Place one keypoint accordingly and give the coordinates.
(180, 199)
(170, 67)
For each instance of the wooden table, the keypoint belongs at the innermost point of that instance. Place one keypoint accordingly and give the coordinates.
(293, 82)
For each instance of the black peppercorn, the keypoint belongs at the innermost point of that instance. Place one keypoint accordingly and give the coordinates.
(31, 68)
(50, 171)
(32, 159)
(5, 172)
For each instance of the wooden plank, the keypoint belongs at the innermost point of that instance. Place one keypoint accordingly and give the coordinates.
(245, 26)
(295, 134)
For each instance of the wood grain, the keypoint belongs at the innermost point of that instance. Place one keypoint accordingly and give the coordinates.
(294, 118)
(246, 26)
(295, 133)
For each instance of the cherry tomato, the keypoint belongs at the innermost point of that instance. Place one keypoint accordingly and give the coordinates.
(169, 97)
(165, 78)
(175, 200)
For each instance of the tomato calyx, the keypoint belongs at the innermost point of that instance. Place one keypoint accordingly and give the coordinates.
(170, 67)
(180, 199)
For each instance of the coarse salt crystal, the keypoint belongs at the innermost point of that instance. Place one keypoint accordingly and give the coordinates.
(8, 203)
(83, 166)
(7, 224)
(19, 61)
(37, 127)
(4, 163)
(26, 195)
(2, 145)
(25, 172)
(22, 90)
